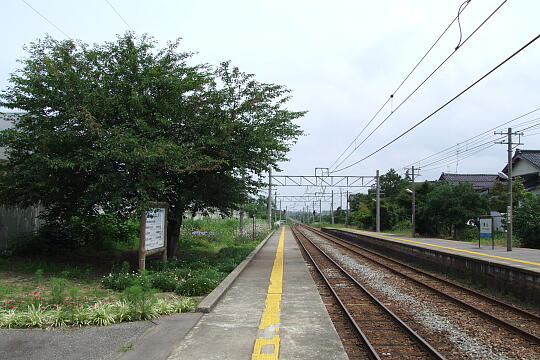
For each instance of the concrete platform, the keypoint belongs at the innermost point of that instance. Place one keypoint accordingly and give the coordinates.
(230, 330)
(516, 271)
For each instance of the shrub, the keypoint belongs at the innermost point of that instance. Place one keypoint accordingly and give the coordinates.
(141, 300)
(196, 286)
(470, 233)
(165, 281)
(527, 221)
(119, 281)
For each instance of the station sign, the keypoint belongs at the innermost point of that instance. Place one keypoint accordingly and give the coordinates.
(153, 232)
(486, 228)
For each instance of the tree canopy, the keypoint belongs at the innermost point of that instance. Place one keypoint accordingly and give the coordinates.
(110, 127)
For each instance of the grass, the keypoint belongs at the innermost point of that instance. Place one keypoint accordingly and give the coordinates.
(125, 348)
(63, 291)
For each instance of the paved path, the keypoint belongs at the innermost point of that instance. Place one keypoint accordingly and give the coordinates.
(302, 326)
(149, 339)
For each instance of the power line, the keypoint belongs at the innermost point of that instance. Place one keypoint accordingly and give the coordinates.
(46, 19)
(476, 136)
(120, 16)
(461, 9)
(423, 82)
(448, 153)
(444, 105)
(442, 162)
(465, 157)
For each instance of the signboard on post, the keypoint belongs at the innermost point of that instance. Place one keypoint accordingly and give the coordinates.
(153, 232)
(486, 229)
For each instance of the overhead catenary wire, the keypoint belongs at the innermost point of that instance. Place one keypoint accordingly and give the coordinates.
(476, 136)
(47, 20)
(462, 8)
(468, 144)
(444, 105)
(443, 161)
(422, 83)
(120, 16)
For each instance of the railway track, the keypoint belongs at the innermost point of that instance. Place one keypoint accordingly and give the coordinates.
(518, 321)
(383, 333)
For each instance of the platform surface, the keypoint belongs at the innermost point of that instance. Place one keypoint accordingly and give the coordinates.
(523, 258)
(230, 331)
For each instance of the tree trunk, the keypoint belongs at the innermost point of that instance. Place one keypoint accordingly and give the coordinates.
(174, 223)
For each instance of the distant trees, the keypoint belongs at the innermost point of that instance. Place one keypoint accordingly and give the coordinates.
(110, 127)
(441, 208)
(448, 207)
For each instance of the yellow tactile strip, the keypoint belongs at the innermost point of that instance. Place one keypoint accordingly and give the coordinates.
(449, 248)
(270, 318)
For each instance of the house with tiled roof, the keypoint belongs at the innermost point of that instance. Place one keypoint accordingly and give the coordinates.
(480, 182)
(526, 165)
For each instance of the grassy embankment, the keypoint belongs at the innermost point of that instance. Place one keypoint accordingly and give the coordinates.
(96, 288)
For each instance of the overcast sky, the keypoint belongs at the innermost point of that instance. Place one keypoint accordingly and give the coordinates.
(342, 60)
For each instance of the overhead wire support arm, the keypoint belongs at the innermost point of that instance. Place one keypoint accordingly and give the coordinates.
(327, 181)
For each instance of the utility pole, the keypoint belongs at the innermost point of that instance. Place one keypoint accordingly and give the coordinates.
(275, 203)
(332, 207)
(509, 207)
(347, 211)
(242, 220)
(378, 206)
(270, 197)
(413, 207)
(320, 213)
(280, 211)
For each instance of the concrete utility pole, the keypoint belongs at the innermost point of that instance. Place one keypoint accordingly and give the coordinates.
(332, 207)
(242, 220)
(270, 197)
(510, 206)
(347, 211)
(280, 211)
(320, 213)
(413, 192)
(378, 206)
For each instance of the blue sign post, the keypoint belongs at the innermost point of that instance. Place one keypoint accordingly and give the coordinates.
(486, 230)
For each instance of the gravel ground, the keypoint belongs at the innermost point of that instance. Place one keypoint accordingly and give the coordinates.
(424, 312)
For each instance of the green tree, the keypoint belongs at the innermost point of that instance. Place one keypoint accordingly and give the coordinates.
(448, 206)
(392, 184)
(527, 221)
(110, 127)
(498, 195)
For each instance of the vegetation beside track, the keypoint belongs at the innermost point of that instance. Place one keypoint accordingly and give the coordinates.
(61, 293)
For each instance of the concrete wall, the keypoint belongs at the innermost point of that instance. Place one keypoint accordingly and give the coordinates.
(15, 221)
(523, 167)
(521, 283)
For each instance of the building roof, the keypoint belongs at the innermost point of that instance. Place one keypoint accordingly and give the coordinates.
(478, 181)
(532, 156)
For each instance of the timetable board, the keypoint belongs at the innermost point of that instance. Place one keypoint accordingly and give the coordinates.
(155, 228)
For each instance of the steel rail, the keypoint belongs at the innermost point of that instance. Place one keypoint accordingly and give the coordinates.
(412, 334)
(372, 352)
(527, 335)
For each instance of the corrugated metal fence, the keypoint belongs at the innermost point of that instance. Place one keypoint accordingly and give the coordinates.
(15, 221)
